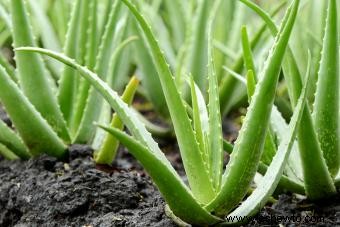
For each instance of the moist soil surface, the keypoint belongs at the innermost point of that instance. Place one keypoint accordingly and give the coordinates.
(48, 192)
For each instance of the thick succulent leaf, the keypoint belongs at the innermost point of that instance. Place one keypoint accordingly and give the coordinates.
(48, 35)
(277, 122)
(33, 77)
(247, 52)
(177, 23)
(36, 133)
(225, 50)
(7, 153)
(184, 54)
(68, 81)
(268, 183)
(326, 106)
(108, 150)
(9, 139)
(90, 61)
(104, 119)
(174, 191)
(269, 145)
(105, 115)
(318, 181)
(92, 39)
(153, 155)
(235, 75)
(198, 48)
(122, 64)
(149, 76)
(9, 68)
(127, 115)
(199, 179)
(5, 17)
(111, 39)
(230, 93)
(59, 13)
(279, 128)
(224, 20)
(249, 145)
(158, 24)
(284, 183)
(200, 120)
(251, 84)
(215, 136)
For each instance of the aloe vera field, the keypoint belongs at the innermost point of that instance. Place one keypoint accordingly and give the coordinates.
(169, 113)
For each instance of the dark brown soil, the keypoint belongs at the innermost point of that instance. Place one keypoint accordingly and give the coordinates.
(47, 192)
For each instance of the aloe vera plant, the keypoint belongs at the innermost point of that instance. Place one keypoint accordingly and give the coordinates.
(59, 108)
(189, 56)
(319, 155)
(213, 192)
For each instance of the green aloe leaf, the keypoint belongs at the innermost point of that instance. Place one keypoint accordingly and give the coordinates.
(5, 17)
(230, 91)
(175, 193)
(199, 179)
(149, 75)
(279, 128)
(200, 120)
(9, 68)
(36, 133)
(68, 82)
(108, 150)
(9, 139)
(105, 115)
(109, 41)
(7, 153)
(317, 179)
(177, 24)
(59, 12)
(272, 177)
(247, 52)
(181, 200)
(249, 145)
(326, 106)
(269, 146)
(251, 84)
(285, 182)
(198, 60)
(48, 35)
(90, 61)
(215, 136)
(32, 74)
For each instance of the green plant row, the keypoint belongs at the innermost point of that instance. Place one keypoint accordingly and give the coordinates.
(184, 76)
(210, 188)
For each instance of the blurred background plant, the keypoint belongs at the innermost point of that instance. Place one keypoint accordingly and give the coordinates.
(55, 107)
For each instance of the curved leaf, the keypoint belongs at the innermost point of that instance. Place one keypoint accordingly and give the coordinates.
(326, 106)
(175, 193)
(9, 139)
(38, 136)
(32, 74)
(318, 181)
(272, 177)
(153, 155)
(199, 179)
(249, 145)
